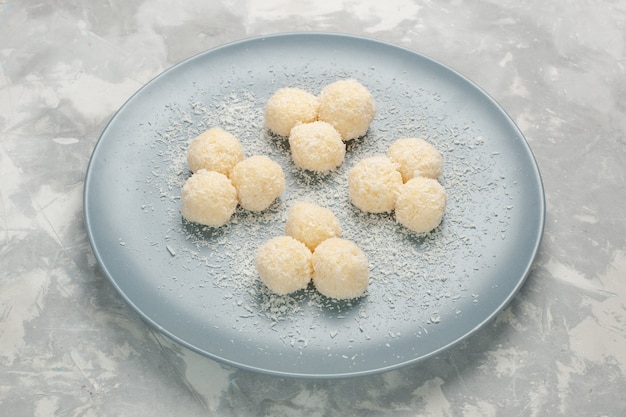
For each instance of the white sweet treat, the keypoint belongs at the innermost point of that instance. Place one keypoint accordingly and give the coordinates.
(421, 204)
(259, 181)
(284, 264)
(348, 106)
(214, 150)
(316, 146)
(209, 198)
(374, 184)
(311, 224)
(340, 269)
(289, 106)
(416, 157)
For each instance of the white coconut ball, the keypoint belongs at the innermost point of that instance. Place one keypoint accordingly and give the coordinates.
(374, 184)
(208, 198)
(416, 158)
(214, 150)
(288, 107)
(421, 204)
(259, 181)
(348, 106)
(284, 264)
(340, 268)
(311, 224)
(316, 146)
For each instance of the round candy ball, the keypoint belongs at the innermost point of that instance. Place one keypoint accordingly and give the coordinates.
(311, 224)
(421, 204)
(208, 198)
(259, 181)
(289, 106)
(214, 150)
(374, 184)
(416, 158)
(348, 106)
(340, 268)
(284, 264)
(316, 146)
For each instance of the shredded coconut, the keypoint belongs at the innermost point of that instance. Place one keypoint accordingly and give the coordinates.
(411, 275)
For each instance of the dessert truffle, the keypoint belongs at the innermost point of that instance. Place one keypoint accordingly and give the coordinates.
(316, 146)
(259, 181)
(289, 106)
(284, 264)
(416, 158)
(214, 150)
(421, 204)
(340, 269)
(374, 184)
(348, 106)
(311, 224)
(208, 198)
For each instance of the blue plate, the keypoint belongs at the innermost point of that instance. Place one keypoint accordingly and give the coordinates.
(199, 286)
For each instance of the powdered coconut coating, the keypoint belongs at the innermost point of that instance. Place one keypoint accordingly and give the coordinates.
(311, 224)
(316, 146)
(289, 106)
(348, 106)
(340, 268)
(209, 198)
(214, 150)
(416, 157)
(259, 181)
(284, 264)
(374, 184)
(421, 204)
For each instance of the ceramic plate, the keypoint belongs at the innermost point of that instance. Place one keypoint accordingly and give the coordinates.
(199, 285)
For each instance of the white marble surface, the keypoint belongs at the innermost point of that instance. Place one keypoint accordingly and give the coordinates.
(70, 346)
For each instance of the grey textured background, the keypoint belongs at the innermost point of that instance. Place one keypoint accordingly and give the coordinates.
(69, 345)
